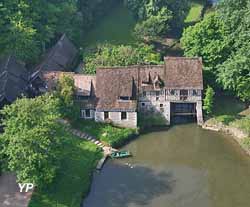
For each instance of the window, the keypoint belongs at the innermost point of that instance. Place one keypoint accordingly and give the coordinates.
(123, 115)
(124, 98)
(143, 104)
(195, 93)
(184, 92)
(106, 115)
(157, 98)
(172, 92)
(87, 113)
(144, 93)
(82, 113)
(161, 108)
(157, 93)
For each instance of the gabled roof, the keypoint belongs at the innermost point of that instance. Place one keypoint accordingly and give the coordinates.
(13, 79)
(112, 83)
(85, 84)
(60, 57)
(183, 73)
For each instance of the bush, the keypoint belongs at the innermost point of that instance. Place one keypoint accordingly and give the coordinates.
(119, 55)
(209, 100)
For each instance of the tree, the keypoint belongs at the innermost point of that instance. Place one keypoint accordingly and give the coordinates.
(65, 93)
(158, 17)
(222, 40)
(234, 73)
(155, 25)
(29, 140)
(207, 39)
(119, 55)
(209, 100)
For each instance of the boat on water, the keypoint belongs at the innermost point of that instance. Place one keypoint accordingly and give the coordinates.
(120, 154)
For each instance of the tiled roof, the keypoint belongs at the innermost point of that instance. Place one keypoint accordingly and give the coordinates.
(183, 73)
(13, 79)
(60, 57)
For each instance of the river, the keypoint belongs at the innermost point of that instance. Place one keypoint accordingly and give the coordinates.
(184, 166)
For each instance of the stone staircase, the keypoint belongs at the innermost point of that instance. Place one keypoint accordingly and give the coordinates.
(83, 135)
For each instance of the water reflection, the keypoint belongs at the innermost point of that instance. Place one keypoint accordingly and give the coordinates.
(184, 166)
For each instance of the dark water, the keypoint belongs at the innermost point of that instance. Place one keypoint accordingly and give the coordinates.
(182, 167)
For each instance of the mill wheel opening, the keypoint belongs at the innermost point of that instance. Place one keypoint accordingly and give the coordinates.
(183, 113)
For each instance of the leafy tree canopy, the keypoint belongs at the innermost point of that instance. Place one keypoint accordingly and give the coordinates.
(157, 17)
(29, 142)
(120, 55)
(221, 39)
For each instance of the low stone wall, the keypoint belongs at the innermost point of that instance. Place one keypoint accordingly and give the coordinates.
(236, 133)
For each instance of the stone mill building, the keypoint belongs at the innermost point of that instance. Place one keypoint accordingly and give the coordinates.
(118, 94)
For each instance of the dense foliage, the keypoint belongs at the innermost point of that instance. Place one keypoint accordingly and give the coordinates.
(222, 39)
(157, 17)
(65, 92)
(78, 159)
(29, 144)
(120, 55)
(209, 100)
(29, 27)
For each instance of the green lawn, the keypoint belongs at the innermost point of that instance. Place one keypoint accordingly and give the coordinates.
(116, 28)
(194, 14)
(114, 136)
(231, 112)
(78, 159)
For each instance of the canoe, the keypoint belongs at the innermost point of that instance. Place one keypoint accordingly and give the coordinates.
(120, 154)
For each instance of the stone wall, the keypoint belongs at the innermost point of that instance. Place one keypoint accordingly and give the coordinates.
(115, 118)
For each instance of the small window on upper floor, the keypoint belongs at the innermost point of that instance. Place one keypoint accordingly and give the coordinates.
(172, 92)
(157, 98)
(157, 93)
(144, 93)
(161, 105)
(142, 104)
(195, 93)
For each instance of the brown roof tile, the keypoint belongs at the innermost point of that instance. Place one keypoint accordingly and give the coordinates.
(183, 73)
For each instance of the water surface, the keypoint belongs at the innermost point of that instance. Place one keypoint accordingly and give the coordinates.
(185, 166)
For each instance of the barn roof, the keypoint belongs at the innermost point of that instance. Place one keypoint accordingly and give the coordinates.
(60, 57)
(13, 79)
(183, 73)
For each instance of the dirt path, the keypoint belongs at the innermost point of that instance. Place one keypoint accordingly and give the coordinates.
(9, 192)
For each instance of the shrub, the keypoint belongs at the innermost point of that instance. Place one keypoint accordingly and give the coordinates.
(209, 100)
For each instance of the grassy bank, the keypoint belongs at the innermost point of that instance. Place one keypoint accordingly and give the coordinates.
(107, 133)
(194, 14)
(71, 184)
(230, 113)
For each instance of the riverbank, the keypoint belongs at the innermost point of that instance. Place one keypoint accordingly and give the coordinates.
(78, 159)
(238, 126)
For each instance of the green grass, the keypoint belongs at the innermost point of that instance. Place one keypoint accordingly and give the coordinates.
(115, 28)
(71, 184)
(107, 133)
(194, 13)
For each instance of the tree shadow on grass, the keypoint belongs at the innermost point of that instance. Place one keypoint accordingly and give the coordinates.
(119, 186)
